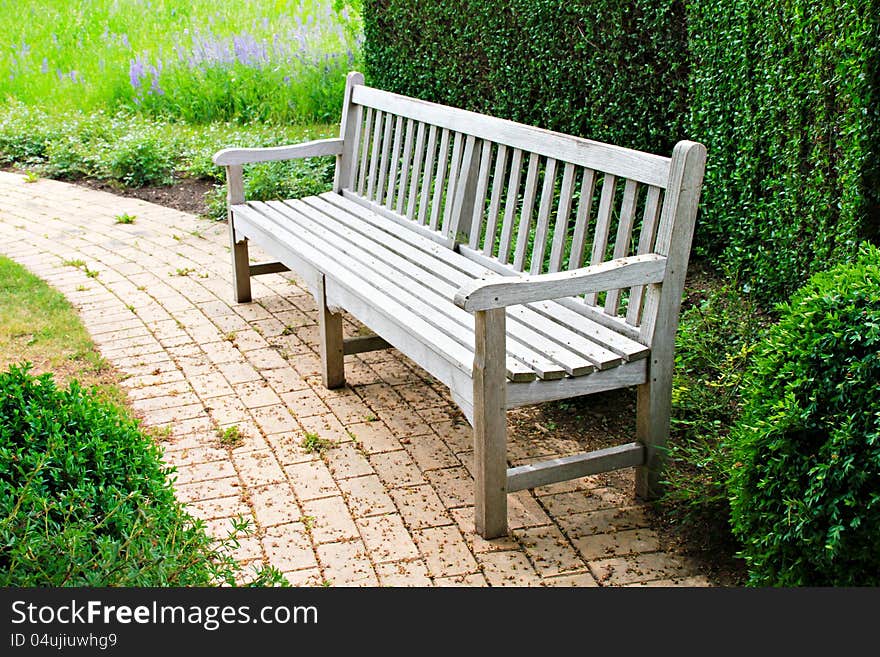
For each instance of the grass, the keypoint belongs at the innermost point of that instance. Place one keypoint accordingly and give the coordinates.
(37, 324)
(198, 61)
(314, 444)
(125, 218)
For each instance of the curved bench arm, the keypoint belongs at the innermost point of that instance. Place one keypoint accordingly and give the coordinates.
(501, 291)
(317, 148)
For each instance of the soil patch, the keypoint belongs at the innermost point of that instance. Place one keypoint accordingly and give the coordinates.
(185, 194)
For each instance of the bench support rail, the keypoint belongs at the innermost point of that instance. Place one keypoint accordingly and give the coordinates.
(575, 466)
(364, 343)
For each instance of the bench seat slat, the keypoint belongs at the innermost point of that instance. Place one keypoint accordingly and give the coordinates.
(545, 356)
(440, 262)
(604, 337)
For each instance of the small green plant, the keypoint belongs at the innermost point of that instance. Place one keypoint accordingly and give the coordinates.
(183, 271)
(162, 433)
(314, 444)
(81, 288)
(125, 218)
(130, 307)
(197, 233)
(806, 485)
(31, 176)
(370, 417)
(74, 263)
(176, 237)
(230, 337)
(288, 330)
(91, 273)
(230, 436)
(308, 522)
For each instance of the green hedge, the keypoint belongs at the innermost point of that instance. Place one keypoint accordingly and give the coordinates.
(785, 97)
(606, 69)
(805, 494)
(86, 501)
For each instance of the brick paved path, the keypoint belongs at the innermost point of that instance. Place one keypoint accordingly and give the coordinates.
(389, 502)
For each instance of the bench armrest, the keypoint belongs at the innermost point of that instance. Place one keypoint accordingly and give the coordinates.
(502, 291)
(319, 147)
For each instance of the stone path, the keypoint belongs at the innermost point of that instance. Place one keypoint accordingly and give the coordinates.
(389, 502)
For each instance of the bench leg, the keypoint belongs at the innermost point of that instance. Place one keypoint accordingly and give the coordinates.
(652, 428)
(241, 270)
(332, 354)
(490, 424)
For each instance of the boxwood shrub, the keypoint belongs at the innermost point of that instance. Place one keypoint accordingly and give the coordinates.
(86, 501)
(805, 493)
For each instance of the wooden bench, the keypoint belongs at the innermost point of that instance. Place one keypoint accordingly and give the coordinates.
(514, 264)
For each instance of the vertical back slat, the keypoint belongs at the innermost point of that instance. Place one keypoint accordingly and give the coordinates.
(495, 199)
(453, 182)
(582, 219)
(510, 205)
(394, 163)
(525, 215)
(543, 226)
(480, 195)
(418, 156)
(460, 222)
(404, 165)
(646, 244)
(563, 213)
(624, 237)
(428, 174)
(442, 163)
(603, 225)
(374, 155)
(348, 180)
(386, 152)
(365, 147)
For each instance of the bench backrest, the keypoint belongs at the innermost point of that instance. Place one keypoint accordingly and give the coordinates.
(522, 199)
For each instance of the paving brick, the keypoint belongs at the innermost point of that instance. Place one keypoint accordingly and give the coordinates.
(265, 359)
(306, 577)
(470, 580)
(508, 569)
(403, 422)
(239, 372)
(464, 518)
(454, 485)
(581, 580)
(374, 437)
(255, 394)
(689, 582)
(430, 452)
(420, 507)
(274, 419)
(203, 471)
(218, 507)
(208, 489)
(396, 469)
(305, 402)
(563, 504)
(331, 520)
(366, 496)
(227, 410)
(386, 538)
(326, 426)
(403, 573)
(274, 504)
(346, 564)
(288, 547)
(284, 379)
(550, 551)
(620, 571)
(311, 480)
(630, 541)
(346, 461)
(288, 448)
(257, 468)
(445, 551)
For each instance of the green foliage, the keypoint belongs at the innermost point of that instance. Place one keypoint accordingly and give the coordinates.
(785, 97)
(139, 160)
(85, 499)
(197, 61)
(714, 345)
(608, 70)
(806, 484)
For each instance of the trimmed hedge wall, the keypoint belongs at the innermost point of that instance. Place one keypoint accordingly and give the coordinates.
(784, 95)
(611, 70)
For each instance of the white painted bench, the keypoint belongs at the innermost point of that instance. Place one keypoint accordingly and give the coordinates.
(514, 264)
